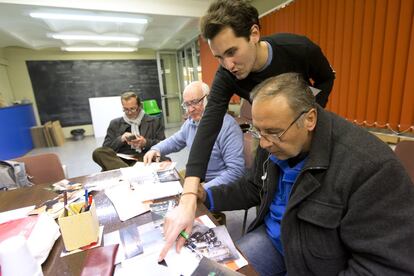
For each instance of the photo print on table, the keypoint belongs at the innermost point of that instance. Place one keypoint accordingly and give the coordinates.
(160, 209)
(213, 243)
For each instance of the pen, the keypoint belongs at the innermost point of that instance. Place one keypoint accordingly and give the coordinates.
(187, 237)
(71, 208)
(86, 199)
(184, 235)
(89, 202)
(65, 203)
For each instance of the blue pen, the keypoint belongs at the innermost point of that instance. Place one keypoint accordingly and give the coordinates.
(86, 199)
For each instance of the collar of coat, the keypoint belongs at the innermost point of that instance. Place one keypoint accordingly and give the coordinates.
(321, 141)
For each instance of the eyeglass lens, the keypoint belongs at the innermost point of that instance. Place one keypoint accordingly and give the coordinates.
(130, 110)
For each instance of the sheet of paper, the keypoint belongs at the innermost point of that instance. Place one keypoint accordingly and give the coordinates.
(149, 191)
(103, 180)
(127, 202)
(15, 214)
(139, 175)
(142, 265)
(155, 166)
(147, 263)
(183, 263)
(126, 156)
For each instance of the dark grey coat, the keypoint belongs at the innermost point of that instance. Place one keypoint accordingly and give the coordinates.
(351, 209)
(151, 128)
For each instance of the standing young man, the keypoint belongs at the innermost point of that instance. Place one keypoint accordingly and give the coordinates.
(232, 30)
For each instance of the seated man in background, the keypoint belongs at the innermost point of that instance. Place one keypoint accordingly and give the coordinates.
(334, 199)
(133, 134)
(227, 160)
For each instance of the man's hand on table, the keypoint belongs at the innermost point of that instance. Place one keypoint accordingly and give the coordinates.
(182, 217)
(151, 155)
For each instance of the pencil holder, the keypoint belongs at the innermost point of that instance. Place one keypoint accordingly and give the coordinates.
(79, 229)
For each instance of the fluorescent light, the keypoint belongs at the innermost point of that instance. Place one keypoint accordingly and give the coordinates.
(95, 37)
(99, 49)
(94, 18)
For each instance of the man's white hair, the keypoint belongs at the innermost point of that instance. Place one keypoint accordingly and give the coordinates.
(204, 88)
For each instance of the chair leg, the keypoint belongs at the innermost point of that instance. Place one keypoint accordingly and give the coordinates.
(244, 222)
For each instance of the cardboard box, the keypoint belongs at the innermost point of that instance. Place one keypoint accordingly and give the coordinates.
(47, 132)
(80, 229)
(38, 137)
(57, 134)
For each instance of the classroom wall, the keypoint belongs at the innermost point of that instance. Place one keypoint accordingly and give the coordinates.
(6, 94)
(19, 75)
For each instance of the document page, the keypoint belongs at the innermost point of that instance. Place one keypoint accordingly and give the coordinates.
(127, 202)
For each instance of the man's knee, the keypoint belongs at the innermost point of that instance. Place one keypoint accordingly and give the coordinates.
(96, 154)
(102, 152)
(259, 250)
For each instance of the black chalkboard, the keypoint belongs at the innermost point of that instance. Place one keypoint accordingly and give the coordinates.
(62, 88)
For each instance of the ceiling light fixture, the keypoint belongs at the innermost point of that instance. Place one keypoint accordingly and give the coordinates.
(94, 18)
(95, 37)
(99, 49)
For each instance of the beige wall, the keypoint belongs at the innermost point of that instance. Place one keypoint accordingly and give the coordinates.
(21, 86)
(6, 93)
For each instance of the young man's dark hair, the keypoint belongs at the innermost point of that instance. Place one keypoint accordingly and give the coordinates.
(239, 15)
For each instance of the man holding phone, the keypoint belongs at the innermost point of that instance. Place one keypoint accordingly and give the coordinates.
(133, 135)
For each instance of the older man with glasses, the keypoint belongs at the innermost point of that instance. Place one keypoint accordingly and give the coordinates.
(132, 135)
(333, 199)
(227, 160)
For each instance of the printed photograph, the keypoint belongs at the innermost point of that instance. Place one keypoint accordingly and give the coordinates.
(160, 209)
(129, 241)
(213, 243)
(168, 175)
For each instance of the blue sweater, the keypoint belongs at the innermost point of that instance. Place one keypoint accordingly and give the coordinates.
(226, 163)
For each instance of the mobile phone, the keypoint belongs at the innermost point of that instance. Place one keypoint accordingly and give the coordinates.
(131, 137)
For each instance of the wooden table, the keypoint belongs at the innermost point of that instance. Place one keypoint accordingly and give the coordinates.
(73, 264)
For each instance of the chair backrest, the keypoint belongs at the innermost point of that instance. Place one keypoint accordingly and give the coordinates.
(151, 107)
(249, 149)
(245, 115)
(43, 168)
(405, 152)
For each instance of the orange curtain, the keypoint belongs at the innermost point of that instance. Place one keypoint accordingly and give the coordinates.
(370, 44)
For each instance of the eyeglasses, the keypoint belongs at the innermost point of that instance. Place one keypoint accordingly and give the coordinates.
(186, 105)
(274, 137)
(130, 110)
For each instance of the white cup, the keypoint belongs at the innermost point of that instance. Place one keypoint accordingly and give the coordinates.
(16, 259)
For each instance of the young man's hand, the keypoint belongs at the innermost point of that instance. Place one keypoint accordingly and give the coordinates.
(182, 217)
